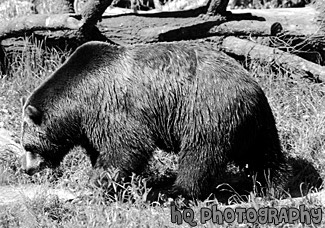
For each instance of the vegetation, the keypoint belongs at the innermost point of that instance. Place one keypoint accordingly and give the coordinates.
(298, 106)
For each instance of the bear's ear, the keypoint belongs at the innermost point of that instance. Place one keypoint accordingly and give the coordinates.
(34, 114)
(23, 101)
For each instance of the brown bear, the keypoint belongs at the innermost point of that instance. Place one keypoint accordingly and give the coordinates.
(122, 103)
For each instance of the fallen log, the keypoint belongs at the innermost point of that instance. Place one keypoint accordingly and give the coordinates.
(295, 20)
(121, 28)
(299, 22)
(130, 29)
(144, 28)
(125, 29)
(247, 28)
(251, 50)
(22, 25)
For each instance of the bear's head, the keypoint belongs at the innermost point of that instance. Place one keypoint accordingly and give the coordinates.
(48, 133)
(43, 146)
(57, 113)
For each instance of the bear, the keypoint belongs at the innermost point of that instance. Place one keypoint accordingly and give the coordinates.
(121, 103)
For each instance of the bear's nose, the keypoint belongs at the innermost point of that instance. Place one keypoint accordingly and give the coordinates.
(31, 171)
(31, 162)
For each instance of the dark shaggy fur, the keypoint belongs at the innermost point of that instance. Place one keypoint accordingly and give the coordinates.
(121, 104)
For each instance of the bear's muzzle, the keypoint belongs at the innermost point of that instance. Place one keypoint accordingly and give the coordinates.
(31, 163)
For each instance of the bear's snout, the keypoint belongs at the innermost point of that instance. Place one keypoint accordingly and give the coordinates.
(31, 163)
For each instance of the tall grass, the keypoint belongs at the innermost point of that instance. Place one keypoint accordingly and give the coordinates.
(299, 108)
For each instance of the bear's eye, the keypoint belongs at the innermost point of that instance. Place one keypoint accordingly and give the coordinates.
(29, 147)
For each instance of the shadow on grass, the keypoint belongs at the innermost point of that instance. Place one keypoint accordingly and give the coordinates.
(236, 187)
(304, 178)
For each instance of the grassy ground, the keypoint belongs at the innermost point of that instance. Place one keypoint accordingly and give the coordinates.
(298, 106)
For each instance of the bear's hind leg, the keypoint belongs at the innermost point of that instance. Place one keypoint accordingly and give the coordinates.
(266, 161)
(198, 172)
